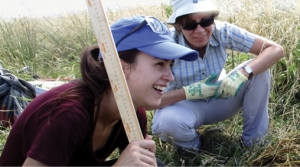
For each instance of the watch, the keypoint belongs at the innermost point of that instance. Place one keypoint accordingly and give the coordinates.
(249, 71)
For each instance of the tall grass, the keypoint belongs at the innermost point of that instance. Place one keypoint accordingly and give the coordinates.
(51, 46)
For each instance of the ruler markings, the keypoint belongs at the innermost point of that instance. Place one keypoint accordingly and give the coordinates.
(114, 70)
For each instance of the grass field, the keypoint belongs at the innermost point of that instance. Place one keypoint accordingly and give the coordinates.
(51, 47)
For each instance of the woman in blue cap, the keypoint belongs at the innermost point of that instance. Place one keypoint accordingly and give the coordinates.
(78, 123)
(192, 100)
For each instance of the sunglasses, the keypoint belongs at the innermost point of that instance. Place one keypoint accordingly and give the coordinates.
(203, 23)
(155, 25)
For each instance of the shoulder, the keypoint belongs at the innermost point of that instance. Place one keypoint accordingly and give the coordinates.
(219, 25)
(59, 110)
(226, 32)
(232, 37)
(52, 132)
(223, 27)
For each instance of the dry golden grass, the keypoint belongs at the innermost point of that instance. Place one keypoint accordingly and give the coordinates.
(54, 44)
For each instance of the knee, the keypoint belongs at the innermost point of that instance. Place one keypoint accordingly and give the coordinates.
(165, 124)
(171, 125)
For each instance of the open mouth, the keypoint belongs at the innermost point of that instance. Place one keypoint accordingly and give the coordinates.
(159, 88)
(201, 37)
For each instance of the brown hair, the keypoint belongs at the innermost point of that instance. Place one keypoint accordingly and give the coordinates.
(94, 74)
(94, 79)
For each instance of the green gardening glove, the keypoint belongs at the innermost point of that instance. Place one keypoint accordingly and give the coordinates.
(202, 89)
(231, 85)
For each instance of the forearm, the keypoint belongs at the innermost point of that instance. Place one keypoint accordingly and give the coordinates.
(171, 98)
(268, 54)
(264, 61)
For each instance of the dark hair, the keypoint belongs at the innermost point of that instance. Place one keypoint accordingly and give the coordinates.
(93, 70)
(181, 20)
(94, 74)
(94, 79)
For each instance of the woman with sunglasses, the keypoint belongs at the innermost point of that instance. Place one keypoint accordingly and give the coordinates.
(78, 123)
(202, 93)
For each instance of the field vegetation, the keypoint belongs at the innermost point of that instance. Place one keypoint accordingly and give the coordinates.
(51, 47)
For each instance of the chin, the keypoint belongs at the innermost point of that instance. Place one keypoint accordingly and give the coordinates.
(154, 105)
(201, 44)
(197, 46)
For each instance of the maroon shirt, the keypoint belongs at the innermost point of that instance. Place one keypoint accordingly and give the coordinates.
(61, 137)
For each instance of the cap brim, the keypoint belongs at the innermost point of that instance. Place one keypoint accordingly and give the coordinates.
(169, 51)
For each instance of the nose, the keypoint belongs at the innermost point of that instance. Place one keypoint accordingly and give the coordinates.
(199, 28)
(168, 75)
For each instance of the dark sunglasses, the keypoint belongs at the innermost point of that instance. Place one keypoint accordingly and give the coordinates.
(156, 26)
(203, 23)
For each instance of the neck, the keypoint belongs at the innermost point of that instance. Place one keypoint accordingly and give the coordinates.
(109, 112)
(202, 51)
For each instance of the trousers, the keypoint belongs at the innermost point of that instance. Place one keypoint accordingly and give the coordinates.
(177, 123)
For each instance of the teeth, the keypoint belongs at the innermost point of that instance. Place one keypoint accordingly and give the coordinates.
(159, 87)
(199, 36)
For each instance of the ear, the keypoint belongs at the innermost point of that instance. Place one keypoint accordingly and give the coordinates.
(125, 67)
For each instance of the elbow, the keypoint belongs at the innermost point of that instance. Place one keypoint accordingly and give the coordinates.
(280, 51)
(276, 51)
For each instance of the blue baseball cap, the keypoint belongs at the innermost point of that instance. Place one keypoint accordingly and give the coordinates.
(151, 36)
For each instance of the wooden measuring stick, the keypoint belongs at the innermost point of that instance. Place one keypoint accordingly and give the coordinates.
(114, 70)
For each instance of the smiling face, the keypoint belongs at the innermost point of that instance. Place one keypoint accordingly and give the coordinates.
(198, 37)
(147, 78)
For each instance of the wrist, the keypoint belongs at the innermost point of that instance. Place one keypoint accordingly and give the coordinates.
(183, 92)
(242, 70)
(247, 69)
(186, 92)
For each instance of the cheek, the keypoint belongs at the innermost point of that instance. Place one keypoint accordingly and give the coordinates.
(186, 33)
(141, 75)
(210, 30)
(138, 87)
(135, 79)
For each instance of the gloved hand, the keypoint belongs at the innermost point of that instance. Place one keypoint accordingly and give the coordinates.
(202, 89)
(231, 85)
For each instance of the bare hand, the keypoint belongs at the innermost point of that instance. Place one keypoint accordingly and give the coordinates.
(138, 153)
